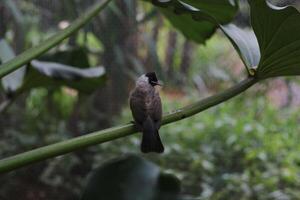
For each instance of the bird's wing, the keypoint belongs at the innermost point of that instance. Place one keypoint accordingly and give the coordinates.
(138, 106)
(155, 109)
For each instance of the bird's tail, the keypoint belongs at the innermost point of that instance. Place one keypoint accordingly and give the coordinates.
(151, 141)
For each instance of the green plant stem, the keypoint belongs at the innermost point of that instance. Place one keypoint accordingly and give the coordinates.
(34, 52)
(208, 102)
(60, 148)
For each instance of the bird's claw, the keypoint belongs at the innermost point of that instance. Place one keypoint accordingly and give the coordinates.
(136, 125)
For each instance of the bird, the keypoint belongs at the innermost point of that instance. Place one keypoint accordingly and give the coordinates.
(146, 108)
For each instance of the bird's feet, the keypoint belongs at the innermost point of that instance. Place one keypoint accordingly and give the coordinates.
(137, 126)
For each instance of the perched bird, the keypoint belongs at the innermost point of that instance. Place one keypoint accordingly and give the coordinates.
(145, 105)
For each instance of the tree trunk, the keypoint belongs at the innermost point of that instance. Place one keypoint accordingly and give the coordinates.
(186, 59)
(120, 43)
(149, 61)
(170, 54)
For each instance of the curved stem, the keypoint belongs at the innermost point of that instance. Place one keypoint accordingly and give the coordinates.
(208, 102)
(60, 148)
(34, 52)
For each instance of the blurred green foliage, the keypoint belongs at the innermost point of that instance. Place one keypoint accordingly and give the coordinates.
(242, 149)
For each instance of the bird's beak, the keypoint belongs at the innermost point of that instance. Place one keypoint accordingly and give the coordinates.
(158, 83)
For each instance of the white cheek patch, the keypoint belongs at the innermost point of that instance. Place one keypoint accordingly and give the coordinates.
(143, 79)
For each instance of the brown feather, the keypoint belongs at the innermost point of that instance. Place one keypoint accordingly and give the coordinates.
(146, 108)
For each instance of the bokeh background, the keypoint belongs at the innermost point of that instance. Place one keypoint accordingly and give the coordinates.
(245, 148)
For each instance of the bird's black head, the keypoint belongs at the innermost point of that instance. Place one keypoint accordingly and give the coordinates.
(152, 78)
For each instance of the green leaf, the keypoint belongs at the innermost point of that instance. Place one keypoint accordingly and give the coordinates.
(51, 74)
(278, 33)
(34, 52)
(179, 14)
(128, 178)
(222, 10)
(169, 187)
(245, 42)
(74, 56)
(13, 81)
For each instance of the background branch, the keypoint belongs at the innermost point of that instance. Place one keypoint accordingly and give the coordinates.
(34, 52)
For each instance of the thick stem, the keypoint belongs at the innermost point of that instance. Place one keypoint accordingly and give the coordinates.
(60, 148)
(34, 52)
(208, 102)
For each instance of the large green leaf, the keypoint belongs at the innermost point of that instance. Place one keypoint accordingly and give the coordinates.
(222, 10)
(131, 178)
(177, 12)
(278, 33)
(245, 42)
(51, 74)
(77, 56)
(275, 51)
